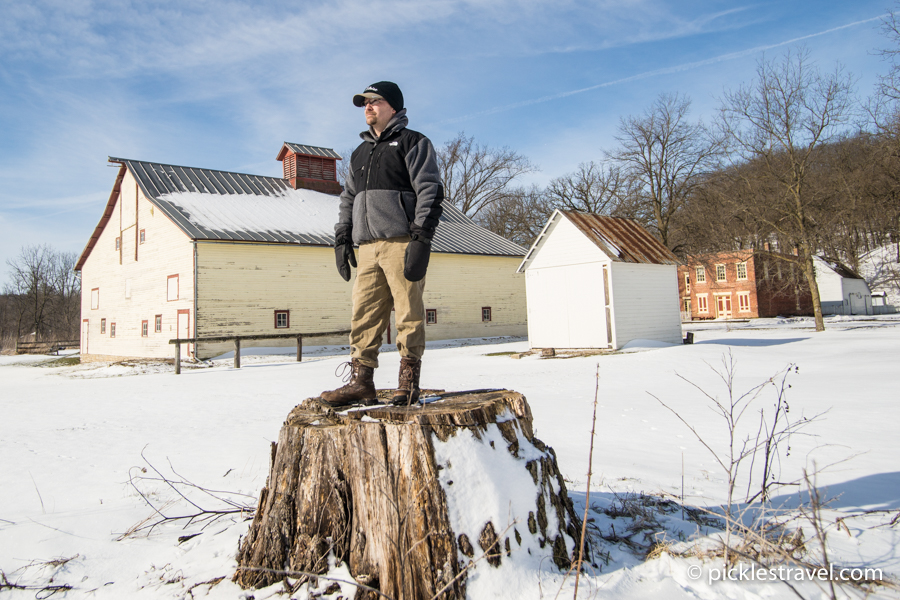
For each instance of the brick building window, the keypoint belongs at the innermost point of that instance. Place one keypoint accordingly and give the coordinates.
(282, 319)
(720, 273)
(742, 271)
(743, 301)
(702, 305)
(430, 316)
(103, 326)
(687, 283)
(157, 324)
(485, 314)
(701, 275)
(145, 328)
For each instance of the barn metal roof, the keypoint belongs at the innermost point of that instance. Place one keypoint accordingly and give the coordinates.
(192, 199)
(622, 240)
(312, 150)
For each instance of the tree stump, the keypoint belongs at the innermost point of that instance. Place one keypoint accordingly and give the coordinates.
(411, 499)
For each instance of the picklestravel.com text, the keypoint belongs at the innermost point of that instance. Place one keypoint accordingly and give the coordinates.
(786, 573)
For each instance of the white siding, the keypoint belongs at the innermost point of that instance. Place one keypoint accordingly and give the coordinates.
(645, 303)
(828, 282)
(166, 251)
(564, 244)
(566, 307)
(242, 285)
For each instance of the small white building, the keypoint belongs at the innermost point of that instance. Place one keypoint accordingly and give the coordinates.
(599, 282)
(841, 290)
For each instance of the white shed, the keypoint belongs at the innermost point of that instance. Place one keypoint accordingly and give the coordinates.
(841, 290)
(599, 282)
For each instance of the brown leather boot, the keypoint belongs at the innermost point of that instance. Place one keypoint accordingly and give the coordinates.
(359, 390)
(408, 388)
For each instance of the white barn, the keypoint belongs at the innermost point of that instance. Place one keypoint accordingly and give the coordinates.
(183, 252)
(599, 282)
(841, 290)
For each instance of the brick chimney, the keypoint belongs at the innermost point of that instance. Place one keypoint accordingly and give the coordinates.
(310, 167)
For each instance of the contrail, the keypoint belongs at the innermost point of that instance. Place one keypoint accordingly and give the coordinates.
(646, 74)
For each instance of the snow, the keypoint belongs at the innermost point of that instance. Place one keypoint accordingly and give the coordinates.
(74, 438)
(300, 211)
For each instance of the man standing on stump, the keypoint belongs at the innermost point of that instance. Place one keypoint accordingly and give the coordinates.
(390, 207)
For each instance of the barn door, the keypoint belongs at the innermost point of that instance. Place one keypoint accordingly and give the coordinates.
(85, 327)
(183, 330)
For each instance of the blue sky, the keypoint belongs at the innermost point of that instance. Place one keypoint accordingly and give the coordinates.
(221, 84)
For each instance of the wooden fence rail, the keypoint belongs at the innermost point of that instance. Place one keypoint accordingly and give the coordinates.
(45, 347)
(237, 339)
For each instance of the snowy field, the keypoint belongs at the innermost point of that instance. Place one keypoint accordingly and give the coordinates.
(72, 437)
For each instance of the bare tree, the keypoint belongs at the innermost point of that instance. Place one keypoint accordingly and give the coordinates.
(666, 155)
(475, 176)
(779, 120)
(596, 188)
(518, 216)
(44, 293)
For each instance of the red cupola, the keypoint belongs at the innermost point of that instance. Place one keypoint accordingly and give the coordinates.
(310, 167)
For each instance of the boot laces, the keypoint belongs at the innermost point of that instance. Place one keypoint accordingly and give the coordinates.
(347, 371)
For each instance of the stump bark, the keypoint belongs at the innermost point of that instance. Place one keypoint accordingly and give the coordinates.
(389, 491)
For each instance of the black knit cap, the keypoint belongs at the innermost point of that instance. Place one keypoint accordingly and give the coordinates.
(383, 89)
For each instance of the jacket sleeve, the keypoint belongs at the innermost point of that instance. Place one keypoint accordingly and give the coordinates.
(425, 177)
(344, 225)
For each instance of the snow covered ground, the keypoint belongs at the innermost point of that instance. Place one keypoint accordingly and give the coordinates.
(73, 439)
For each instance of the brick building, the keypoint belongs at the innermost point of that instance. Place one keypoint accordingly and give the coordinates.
(742, 284)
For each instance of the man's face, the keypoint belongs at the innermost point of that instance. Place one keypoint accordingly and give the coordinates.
(378, 113)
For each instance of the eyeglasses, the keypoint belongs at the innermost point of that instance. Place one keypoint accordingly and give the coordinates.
(369, 101)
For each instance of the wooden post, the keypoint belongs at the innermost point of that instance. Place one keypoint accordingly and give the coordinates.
(299, 348)
(177, 358)
(237, 353)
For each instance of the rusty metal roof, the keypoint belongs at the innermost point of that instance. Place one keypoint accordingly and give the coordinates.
(622, 240)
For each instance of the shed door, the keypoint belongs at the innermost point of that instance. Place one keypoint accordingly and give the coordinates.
(857, 304)
(85, 327)
(566, 307)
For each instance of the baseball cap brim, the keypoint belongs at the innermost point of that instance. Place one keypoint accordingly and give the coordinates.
(360, 99)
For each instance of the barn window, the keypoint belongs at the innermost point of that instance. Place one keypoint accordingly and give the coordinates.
(701, 275)
(702, 305)
(172, 288)
(742, 271)
(486, 313)
(118, 243)
(282, 319)
(720, 272)
(112, 330)
(744, 301)
(95, 298)
(145, 328)
(687, 282)
(431, 316)
(157, 326)
(143, 235)
(103, 326)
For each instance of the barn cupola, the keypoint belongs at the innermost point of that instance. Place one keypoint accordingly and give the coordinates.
(310, 167)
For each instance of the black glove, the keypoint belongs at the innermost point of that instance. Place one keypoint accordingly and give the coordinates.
(417, 253)
(343, 255)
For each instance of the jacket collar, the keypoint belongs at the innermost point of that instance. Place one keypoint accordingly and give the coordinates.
(397, 123)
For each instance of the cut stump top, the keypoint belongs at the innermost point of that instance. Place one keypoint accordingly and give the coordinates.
(470, 408)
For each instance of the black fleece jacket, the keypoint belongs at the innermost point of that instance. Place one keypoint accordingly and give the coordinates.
(394, 184)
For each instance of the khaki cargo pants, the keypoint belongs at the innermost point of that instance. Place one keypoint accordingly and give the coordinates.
(380, 286)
